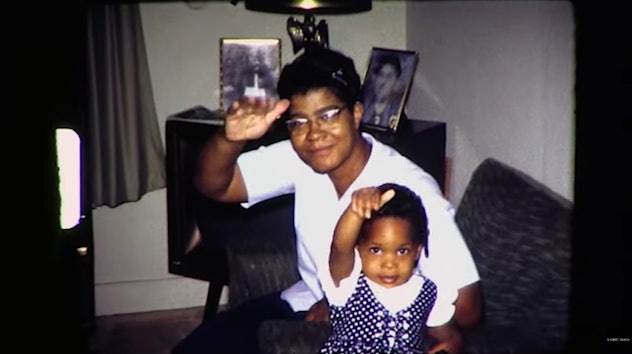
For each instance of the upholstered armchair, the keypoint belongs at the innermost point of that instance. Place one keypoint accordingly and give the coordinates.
(518, 231)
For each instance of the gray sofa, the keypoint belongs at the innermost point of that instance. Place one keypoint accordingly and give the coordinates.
(518, 231)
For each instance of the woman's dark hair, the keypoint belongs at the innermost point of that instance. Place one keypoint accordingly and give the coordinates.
(391, 60)
(406, 205)
(317, 68)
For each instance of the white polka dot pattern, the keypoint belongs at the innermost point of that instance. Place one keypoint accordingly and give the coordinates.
(364, 325)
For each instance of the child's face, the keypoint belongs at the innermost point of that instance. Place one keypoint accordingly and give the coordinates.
(387, 251)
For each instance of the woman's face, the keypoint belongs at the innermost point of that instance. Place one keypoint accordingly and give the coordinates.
(329, 141)
(385, 80)
(388, 253)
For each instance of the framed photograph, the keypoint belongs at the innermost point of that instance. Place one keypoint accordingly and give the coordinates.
(386, 84)
(248, 67)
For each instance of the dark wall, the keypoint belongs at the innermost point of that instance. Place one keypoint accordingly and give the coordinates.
(600, 295)
(54, 93)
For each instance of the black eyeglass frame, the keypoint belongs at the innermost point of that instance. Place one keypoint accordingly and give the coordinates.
(324, 118)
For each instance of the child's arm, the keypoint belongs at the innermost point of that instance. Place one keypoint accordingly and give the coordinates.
(341, 257)
(448, 338)
(363, 202)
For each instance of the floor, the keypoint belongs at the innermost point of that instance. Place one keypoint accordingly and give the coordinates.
(143, 333)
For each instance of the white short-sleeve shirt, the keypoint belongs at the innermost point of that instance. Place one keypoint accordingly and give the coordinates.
(276, 169)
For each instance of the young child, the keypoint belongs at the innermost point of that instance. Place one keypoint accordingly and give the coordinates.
(378, 302)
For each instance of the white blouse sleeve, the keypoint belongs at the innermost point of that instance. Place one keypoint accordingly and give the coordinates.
(267, 171)
(338, 295)
(443, 309)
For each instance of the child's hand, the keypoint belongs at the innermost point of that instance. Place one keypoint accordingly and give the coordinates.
(366, 200)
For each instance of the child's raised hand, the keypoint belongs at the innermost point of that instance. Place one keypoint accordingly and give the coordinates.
(366, 200)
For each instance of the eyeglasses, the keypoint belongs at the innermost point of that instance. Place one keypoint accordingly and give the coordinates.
(300, 125)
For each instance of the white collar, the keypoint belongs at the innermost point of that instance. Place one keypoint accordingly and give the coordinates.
(399, 297)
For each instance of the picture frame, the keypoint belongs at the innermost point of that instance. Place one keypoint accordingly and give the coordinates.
(248, 67)
(385, 88)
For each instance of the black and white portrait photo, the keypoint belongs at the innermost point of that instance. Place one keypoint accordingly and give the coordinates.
(385, 88)
(249, 67)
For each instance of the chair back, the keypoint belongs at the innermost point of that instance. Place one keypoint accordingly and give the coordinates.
(518, 231)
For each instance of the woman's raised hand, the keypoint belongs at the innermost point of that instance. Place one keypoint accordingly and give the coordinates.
(250, 118)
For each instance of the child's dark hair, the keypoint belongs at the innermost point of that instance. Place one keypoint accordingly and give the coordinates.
(317, 68)
(406, 205)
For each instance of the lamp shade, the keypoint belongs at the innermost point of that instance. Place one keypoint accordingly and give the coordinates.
(309, 6)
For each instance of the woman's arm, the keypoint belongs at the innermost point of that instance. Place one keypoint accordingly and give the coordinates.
(218, 176)
(469, 306)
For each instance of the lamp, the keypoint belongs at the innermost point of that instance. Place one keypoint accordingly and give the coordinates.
(312, 6)
(308, 34)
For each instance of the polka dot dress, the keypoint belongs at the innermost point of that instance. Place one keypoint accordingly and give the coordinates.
(364, 325)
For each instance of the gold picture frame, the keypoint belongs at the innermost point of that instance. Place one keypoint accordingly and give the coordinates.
(248, 67)
(385, 88)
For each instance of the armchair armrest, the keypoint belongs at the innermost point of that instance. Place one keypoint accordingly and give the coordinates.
(288, 337)
(260, 264)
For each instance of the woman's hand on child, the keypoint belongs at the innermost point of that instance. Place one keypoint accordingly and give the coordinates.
(318, 312)
(449, 339)
(365, 201)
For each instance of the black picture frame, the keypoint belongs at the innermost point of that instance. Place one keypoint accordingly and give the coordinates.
(391, 71)
(248, 67)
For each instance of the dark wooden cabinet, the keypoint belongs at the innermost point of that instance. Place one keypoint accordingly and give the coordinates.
(423, 142)
(198, 226)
